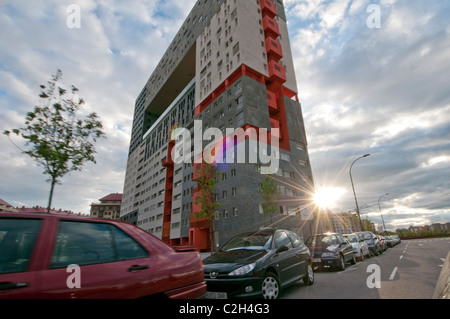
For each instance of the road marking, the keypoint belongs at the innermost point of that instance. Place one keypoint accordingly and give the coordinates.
(401, 257)
(393, 273)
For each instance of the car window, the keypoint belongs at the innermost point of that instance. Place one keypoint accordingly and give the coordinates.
(294, 238)
(127, 247)
(17, 238)
(84, 243)
(281, 238)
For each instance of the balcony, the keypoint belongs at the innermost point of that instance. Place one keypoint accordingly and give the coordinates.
(271, 28)
(275, 124)
(268, 8)
(277, 73)
(274, 50)
(272, 101)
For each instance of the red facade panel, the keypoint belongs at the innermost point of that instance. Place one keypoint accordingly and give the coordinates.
(277, 73)
(271, 28)
(273, 49)
(268, 8)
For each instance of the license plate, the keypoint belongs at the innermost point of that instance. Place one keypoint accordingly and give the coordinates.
(216, 295)
(317, 260)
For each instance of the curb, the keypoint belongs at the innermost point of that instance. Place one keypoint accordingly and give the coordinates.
(442, 290)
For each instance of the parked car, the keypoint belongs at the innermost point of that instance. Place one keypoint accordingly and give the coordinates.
(360, 248)
(330, 250)
(256, 264)
(371, 241)
(396, 240)
(389, 241)
(61, 257)
(383, 243)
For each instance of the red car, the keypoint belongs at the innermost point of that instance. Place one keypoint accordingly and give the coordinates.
(67, 257)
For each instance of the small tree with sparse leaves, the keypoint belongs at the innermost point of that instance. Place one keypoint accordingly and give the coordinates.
(270, 195)
(58, 137)
(207, 178)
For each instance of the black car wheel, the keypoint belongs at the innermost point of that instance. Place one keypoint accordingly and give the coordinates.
(309, 278)
(270, 286)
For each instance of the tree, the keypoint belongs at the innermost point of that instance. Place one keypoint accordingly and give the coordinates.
(270, 196)
(60, 139)
(206, 177)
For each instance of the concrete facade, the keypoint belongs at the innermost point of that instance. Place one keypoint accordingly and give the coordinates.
(229, 66)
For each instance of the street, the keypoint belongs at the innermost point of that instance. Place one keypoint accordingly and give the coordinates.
(407, 271)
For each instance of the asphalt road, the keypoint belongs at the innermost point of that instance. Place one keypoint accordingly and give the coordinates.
(407, 271)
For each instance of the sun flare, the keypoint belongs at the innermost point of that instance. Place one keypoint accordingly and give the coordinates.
(328, 196)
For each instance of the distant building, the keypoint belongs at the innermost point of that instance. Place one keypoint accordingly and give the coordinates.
(108, 208)
(6, 208)
(344, 223)
(131, 218)
(43, 210)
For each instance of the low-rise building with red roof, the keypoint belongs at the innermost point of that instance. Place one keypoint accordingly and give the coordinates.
(108, 208)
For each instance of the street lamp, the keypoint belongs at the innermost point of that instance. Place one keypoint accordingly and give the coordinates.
(379, 207)
(354, 193)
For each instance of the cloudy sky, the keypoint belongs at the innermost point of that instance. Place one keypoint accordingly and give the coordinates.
(372, 76)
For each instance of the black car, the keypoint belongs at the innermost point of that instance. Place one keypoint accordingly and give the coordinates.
(258, 264)
(330, 250)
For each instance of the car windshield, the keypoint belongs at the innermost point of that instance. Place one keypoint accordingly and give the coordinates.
(366, 236)
(352, 238)
(250, 241)
(322, 240)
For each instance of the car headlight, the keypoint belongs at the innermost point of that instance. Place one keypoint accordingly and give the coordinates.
(242, 270)
(328, 254)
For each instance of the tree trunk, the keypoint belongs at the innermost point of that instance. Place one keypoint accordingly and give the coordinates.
(50, 198)
(211, 235)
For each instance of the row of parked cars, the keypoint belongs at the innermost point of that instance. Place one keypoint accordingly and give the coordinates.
(261, 263)
(61, 257)
(334, 250)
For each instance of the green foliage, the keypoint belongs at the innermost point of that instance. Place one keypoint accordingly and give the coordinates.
(270, 196)
(57, 136)
(207, 179)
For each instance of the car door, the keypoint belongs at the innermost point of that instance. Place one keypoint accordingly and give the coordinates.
(18, 238)
(95, 260)
(286, 261)
(302, 253)
(346, 248)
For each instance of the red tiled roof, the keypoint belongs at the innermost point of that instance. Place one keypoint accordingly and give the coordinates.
(2, 202)
(43, 210)
(112, 197)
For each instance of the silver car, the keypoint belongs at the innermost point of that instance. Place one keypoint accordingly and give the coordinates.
(360, 248)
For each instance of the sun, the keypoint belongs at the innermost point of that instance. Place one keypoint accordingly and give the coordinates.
(328, 196)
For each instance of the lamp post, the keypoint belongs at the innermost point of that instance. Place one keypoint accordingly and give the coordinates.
(379, 207)
(354, 193)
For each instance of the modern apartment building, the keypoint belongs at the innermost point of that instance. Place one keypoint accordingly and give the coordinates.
(229, 67)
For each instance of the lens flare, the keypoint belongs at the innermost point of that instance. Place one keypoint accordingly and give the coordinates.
(328, 196)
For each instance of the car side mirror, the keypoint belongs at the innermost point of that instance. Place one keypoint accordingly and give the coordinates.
(282, 248)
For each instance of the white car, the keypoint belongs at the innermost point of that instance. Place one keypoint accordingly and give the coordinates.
(360, 248)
